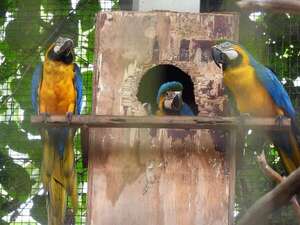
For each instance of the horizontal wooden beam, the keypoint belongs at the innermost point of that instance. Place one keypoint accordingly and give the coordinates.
(292, 6)
(178, 122)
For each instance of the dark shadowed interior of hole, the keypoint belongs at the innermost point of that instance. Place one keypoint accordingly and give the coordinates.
(156, 76)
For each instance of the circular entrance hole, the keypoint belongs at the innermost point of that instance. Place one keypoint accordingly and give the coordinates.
(156, 76)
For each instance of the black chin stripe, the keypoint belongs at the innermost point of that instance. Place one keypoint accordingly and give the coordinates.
(63, 57)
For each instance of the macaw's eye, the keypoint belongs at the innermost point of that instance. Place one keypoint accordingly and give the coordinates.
(168, 94)
(226, 45)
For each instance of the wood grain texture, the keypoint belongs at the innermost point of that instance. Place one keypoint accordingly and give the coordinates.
(178, 122)
(156, 176)
(231, 160)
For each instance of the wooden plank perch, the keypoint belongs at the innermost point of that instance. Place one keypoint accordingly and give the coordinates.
(292, 6)
(179, 122)
(275, 199)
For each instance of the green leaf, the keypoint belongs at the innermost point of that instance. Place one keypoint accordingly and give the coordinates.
(88, 90)
(86, 12)
(2, 222)
(3, 9)
(30, 31)
(39, 210)
(57, 7)
(91, 44)
(15, 180)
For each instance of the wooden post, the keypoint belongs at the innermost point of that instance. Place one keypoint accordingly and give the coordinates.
(231, 151)
(157, 176)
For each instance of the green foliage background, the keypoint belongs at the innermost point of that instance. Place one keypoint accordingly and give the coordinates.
(26, 29)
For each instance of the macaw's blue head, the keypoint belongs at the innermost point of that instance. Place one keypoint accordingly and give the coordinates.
(169, 97)
(62, 50)
(230, 55)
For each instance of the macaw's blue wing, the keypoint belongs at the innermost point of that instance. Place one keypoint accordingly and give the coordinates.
(275, 89)
(282, 140)
(186, 110)
(35, 84)
(78, 86)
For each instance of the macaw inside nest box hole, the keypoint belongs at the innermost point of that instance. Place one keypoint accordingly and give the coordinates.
(156, 76)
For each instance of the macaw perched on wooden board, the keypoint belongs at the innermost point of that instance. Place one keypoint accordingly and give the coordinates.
(57, 90)
(258, 92)
(170, 102)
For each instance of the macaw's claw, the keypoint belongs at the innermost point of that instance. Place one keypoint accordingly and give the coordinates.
(243, 117)
(45, 115)
(279, 120)
(69, 116)
(147, 108)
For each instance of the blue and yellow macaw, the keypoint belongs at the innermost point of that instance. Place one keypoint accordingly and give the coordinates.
(170, 102)
(258, 92)
(57, 90)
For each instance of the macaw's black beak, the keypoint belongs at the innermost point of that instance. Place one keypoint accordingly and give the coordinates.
(63, 46)
(67, 47)
(218, 56)
(177, 102)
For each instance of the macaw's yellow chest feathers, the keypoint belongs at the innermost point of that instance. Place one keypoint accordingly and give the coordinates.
(250, 95)
(57, 92)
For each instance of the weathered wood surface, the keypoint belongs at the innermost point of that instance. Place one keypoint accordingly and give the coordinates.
(275, 199)
(292, 6)
(231, 160)
(157, 176)
(177, 122)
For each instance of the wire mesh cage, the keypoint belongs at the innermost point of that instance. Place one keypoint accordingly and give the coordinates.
(26, 30)
(273, 39)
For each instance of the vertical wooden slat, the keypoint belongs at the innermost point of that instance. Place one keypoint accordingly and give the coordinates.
(231, 151)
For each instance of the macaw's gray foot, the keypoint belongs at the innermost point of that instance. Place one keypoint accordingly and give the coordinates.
(45, 115)
(147, 108)
(243, 117)
(69, 116)
(279, 120)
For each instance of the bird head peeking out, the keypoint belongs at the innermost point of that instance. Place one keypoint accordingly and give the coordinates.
(229, 55)
(62, 50)
(169, 98)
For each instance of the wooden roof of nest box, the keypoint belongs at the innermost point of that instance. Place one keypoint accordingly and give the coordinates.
(163, 176)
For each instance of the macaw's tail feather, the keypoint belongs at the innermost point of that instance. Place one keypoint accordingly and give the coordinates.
(48, 160)
(69, 171)
(59, 178)
(288, 147)
(57, 201)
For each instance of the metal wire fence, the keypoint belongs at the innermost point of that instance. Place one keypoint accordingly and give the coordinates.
(21, 196)
(276, 42)
(22, 200)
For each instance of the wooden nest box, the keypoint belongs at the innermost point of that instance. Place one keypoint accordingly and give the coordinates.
(142, 176)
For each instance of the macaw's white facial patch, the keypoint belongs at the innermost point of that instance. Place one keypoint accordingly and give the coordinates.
(231, 54)
(171, 94)
(56, 49)
(60, 44)
(172, 100)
